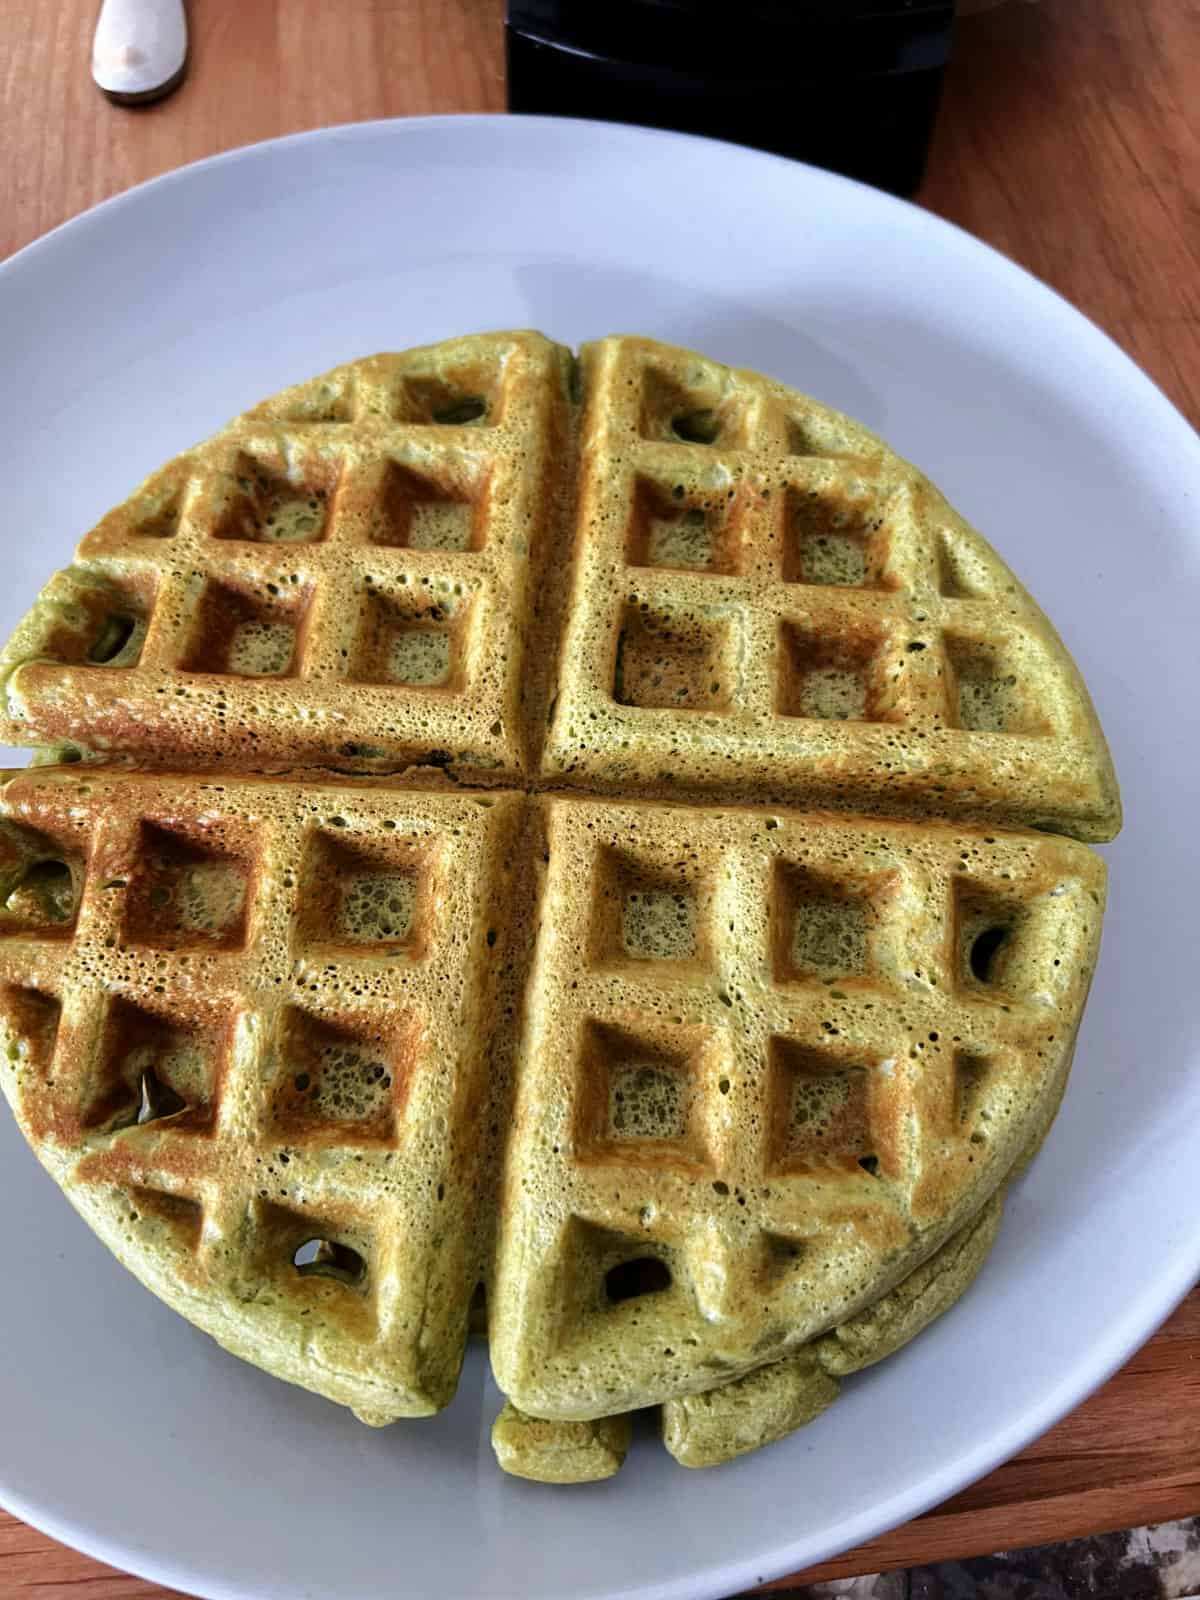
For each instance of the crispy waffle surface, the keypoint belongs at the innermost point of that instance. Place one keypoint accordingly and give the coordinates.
(768, 602)
(755, 598)
(772, 1062)
(346, 576)
(420, 915)
(256, 1034)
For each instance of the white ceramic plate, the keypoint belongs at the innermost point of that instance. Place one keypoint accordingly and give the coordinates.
(141, 326)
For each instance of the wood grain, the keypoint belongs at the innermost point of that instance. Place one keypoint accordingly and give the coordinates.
(1131, 1455)
(1069, 139)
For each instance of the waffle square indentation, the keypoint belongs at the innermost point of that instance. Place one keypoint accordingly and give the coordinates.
(412, 639)
(651, 911)
(265, 503)
(820, 1114)
(238, 631)
(690, 532)
(832, 539)
(991, 692)
(368, 896)
(414, 512)
(186, 892)
(345, 1078)
(639, 1094)
(672, 661)
(153, 1066)
(822, 927)
(833, 678)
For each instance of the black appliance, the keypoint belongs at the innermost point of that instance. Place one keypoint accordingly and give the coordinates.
(852, 85)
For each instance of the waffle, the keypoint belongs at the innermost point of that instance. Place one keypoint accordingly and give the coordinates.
(346, 577)
(768, 603)
(564, 844)
(755, 599)
(771, 1063)
(706, 1430)
(717, 1425)
(560, 1452)
(255, 1034)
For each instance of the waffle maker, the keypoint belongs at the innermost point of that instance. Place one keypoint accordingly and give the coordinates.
(852, 85)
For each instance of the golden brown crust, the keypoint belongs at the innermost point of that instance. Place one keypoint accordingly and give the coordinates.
(240, 1017)
(773, 1065)
(344, 577)
(719, 589)
(768, 604)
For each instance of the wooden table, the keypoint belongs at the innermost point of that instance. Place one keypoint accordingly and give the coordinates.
(1070, 139)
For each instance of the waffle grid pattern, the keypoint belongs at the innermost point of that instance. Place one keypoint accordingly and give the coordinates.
(735, 592)
(339, 583)
(265, 1034)
(813, 1085)
(270, 1039)
(757, 583)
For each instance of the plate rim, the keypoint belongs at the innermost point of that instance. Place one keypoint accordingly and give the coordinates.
(931, 220)
(1122, 1337)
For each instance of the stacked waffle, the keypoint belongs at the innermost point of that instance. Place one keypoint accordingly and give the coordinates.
(575, 837)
